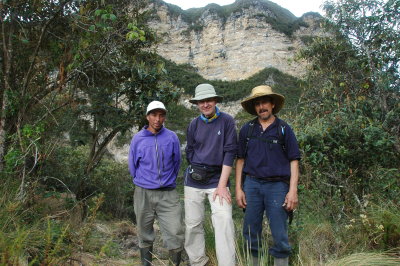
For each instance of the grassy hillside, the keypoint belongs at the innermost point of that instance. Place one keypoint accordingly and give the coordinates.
(186, 77)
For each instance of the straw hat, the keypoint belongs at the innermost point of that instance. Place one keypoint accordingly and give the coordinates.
(205, 91)
(260, 91)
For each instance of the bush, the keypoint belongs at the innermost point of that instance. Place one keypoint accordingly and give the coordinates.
(344, 155)
(114, 181)
(26, 237)
(376, 227)
(65, 171)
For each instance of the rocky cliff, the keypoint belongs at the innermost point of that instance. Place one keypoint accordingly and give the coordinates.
(233, 42)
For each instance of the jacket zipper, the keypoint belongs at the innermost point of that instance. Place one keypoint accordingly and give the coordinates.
(158, 161)
(162, 159)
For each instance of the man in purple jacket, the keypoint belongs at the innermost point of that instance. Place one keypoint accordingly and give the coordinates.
(154, 160)
(210, 151)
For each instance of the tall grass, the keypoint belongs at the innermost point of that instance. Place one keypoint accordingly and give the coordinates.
(25, 237)
(30, 236)
(364, 259)
(243, 254)
(316, 239)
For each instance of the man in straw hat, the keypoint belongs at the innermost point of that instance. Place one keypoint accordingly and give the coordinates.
(210, 152)
(268, 168)
(154, 159)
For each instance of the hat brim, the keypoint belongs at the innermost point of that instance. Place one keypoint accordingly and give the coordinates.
(248, 103)
(160, 109)
(195, 100)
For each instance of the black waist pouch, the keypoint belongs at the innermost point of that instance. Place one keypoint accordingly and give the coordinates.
(203, 173)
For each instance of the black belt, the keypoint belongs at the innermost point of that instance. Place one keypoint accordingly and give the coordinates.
(164, 189)
(272, 179)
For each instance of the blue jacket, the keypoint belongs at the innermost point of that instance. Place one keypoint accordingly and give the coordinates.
(154, 159)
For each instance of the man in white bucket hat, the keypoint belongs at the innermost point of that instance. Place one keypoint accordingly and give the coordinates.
(154, 161)
(267, 173)
(210, 152)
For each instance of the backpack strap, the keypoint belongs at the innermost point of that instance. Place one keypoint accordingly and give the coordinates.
(281, 133)
(281, 130)
(248, 136)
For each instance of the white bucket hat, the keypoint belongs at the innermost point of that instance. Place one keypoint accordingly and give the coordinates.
(205, 91)
(155, 105)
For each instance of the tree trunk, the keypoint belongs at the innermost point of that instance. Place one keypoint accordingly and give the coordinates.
(98, 150)
(7, 51)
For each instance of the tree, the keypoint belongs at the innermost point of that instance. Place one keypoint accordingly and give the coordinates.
(92, 59)
(373, 28)
(34, 42)
(120, 74)
(349, 124)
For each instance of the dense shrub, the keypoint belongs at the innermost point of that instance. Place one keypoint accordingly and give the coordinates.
(65, 170)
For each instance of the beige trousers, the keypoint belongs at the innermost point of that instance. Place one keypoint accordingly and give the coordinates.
(221, 217)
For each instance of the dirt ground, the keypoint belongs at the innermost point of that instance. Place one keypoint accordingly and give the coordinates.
(116, 244)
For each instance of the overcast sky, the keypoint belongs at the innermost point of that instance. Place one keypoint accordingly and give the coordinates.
(297, 7)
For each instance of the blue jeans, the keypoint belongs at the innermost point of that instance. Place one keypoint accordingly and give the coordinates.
(266, 196)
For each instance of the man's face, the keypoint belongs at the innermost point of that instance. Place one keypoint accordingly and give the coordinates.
(264, 107)
(207, 106)
(156, 120)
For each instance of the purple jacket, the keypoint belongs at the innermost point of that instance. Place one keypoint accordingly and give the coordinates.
(154, 159)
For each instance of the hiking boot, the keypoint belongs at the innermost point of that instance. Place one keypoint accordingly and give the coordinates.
(146, 255)
(281, 261)
(255, 261)
(175, 256)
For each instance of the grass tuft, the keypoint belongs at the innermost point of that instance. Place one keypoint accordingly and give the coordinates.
(364, 259)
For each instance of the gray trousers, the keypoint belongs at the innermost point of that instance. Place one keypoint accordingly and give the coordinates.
(164, 205)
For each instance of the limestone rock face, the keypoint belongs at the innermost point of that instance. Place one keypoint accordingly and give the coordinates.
(233, 48)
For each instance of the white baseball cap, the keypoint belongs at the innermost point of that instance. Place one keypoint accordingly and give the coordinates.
(155, 105)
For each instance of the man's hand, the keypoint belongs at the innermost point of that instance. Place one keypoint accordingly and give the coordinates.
(222, 193)
(291, 201)
(241, 198)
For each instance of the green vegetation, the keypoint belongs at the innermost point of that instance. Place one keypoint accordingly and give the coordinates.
(74, 75)
(94, 81)
(77, 74)
(179, 118)
(185, 76)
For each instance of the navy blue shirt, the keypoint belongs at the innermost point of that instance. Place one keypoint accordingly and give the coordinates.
(212, 144)
(268, 160)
